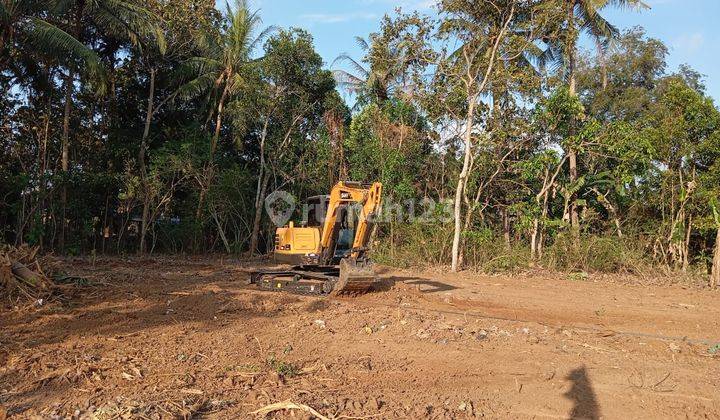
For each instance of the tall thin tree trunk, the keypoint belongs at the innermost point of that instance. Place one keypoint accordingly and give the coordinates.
(65, 159)
(442, 180)
(208, 172)
(143, 167)
(106, 228)
(218, 122)
(221, 232)
(474, 90)
(541, 233)
(572, 153)
(574, 215)
(263, 179)
(686, 245)
(506, 228)
(534, 241)
(254, 238)
(715, 275)
(470, 123)
(42, 171)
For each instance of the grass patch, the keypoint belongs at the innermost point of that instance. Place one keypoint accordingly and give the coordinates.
(282, 368)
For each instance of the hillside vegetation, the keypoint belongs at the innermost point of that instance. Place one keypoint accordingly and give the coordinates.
(158, 126)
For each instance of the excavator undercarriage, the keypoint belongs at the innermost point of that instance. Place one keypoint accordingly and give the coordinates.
(347, 278)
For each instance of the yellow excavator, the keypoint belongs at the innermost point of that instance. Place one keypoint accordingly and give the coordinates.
(328, 255)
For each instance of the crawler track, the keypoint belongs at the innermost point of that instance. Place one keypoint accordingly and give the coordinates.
(316, 280)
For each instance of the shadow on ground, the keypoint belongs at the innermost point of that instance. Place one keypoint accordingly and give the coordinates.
(581, 393)
(424, 285)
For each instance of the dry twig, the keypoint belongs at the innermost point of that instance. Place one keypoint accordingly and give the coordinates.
(287, 405)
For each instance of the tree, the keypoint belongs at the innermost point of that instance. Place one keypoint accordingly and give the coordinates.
(392, 57)
(218, 73)
(680, 123)
(573, 18)
(21, 26)
(485, 33)
(286, 111)
(174, 41)
(715, 273)
(115, 18)
(32, 49)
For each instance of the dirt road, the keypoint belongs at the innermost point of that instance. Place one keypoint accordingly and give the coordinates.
(188, 338)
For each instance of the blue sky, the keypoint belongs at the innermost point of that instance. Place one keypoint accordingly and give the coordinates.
(690, 28)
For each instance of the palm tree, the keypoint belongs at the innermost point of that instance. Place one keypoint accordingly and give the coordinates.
(382, 79)
(118, 19)
(20, 23)
(577, 17)
(218, 72)
(375, 82)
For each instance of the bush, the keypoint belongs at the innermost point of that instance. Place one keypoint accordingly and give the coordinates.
(595, 254)
(413, 245)
(424, 245)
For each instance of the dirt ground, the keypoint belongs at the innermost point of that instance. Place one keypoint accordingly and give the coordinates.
(174, 338)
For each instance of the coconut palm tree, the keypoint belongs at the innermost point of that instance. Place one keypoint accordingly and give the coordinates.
(375, 82)
(381, 79)
(576, 17)
(30, 25)
(120, 20)
(218, 72)
(20, 23)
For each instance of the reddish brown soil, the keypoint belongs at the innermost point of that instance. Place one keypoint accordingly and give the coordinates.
(188, 338)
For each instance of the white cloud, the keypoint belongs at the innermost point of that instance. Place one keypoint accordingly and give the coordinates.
(689, 43)
(337, 18)
(407, 5)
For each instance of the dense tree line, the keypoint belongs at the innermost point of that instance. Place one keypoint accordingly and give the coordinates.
(161, 126)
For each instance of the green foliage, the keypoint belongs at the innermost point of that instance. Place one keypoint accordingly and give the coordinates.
(394, 56)
(560, 113)
(413, 245)
(240, 110)
(425, 245)
(386, 143)
(282, 368)
(595, 254)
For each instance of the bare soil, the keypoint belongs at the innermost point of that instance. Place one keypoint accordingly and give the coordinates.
(182, 338)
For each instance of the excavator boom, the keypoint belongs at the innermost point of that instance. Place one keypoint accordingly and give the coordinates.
(346, 195)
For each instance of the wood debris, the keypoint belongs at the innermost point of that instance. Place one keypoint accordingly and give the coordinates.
(287, 405)
(24, 274)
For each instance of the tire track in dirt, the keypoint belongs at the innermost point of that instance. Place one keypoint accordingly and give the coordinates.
(598, 329)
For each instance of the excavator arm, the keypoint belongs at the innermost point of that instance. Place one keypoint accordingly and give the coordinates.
(347, 194)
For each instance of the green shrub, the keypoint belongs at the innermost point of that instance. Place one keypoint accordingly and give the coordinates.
(425, 245)
(413, 245)
(608, 254)
(285, 369)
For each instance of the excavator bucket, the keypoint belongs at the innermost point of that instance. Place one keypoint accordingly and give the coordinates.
(356, 277)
